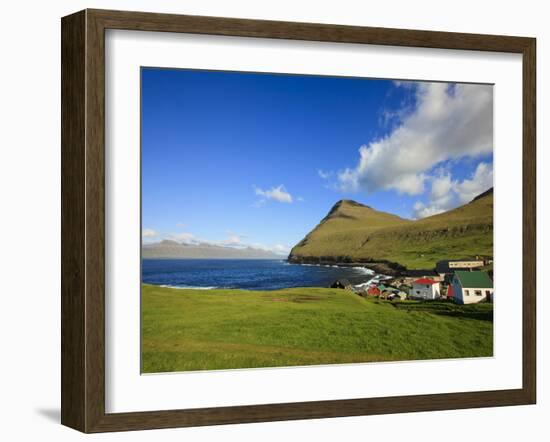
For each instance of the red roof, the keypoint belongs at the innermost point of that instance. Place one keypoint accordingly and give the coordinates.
(425, 281)
(373, 290)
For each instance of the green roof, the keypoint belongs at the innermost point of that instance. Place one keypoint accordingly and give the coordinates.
(475, 279)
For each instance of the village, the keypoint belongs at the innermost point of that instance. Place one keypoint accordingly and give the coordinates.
(463, 281)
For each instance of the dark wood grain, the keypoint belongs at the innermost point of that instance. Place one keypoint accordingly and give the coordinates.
(145, 21)
(73, 253)
(83, 220)
(529, 220)
(95, 221)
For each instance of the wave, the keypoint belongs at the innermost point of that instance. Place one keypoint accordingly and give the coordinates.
(365, 270)
(366, 284)
(189, 287)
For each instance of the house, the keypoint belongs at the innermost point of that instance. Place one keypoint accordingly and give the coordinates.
(373, 291)
(341, 284)
(448, 266)
(424, 288)
(470, 287)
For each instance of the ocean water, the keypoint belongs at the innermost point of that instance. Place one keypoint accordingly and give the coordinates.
(245, 274)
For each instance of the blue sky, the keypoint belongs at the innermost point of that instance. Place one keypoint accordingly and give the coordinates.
(258, 159)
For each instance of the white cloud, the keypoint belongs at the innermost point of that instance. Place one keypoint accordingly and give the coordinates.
(279, 194)
(441, 186)
(279, 249)
(442, 196)
(184, 237)
(404, 83)
(420, 210)
(233, 239)
(325, 175)
(448, 122)
(447, 193)
(481, 180)
(148, 233)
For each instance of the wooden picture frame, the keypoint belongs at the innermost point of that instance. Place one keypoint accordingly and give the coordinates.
(83, 220)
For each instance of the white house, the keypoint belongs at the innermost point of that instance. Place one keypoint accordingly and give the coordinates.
(472, 287)
(424, 288)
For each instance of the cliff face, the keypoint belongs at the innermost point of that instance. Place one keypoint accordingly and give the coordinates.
(355, 232)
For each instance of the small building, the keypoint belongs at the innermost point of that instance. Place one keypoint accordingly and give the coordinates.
(393, 282)
(373, 291)
(386, 292)
(425, 288)
(341, 284)
(470, 287)
(397, 294)
(449, 266)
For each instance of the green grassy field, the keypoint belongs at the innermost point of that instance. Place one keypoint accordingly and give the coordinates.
(224, 329)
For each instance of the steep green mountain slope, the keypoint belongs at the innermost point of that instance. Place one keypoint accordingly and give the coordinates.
(352, 231)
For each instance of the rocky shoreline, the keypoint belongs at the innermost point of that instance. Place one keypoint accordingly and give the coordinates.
(380, 267)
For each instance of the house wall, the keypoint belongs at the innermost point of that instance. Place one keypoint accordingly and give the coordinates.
(461, 298)
(473, 298)
(431, 292)
(457, 291)
(462, 264)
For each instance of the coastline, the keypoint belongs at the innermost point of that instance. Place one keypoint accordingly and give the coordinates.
(251, 275)
(381, 267)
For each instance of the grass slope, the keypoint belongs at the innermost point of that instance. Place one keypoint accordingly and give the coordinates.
(223, 329)
(364, 234)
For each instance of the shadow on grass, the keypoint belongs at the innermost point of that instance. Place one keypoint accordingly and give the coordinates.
(482, 316)
(481, 312)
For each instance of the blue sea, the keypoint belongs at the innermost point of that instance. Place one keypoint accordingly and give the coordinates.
(245, 274)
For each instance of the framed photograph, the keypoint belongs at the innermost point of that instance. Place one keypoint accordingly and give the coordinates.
(269, 221)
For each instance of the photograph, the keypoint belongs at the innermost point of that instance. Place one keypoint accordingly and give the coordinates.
(303, 220)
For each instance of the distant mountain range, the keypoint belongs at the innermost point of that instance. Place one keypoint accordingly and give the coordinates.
(353, 232)
(172, 249)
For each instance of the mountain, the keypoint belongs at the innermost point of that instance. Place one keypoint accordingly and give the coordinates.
(173, 249)
(354, 232)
